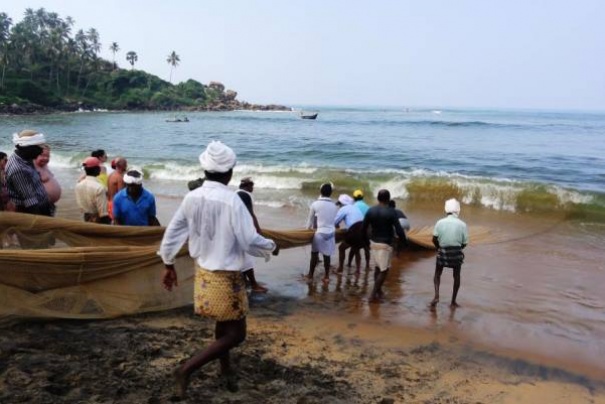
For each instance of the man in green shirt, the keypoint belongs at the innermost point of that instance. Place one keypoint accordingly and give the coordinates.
(450, 236)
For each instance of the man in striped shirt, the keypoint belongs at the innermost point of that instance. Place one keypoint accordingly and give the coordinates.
(24, 185)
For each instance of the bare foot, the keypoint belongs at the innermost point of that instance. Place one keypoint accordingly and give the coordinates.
(454, 305)
(230, 382)
(326, 280)
(339, 270)
(181, 381)
(434, 302)
(374, 299)
(259, 289)
(307, 279)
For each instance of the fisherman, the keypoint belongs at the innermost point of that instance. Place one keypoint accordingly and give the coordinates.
(353, 223)
(321, 218)
(102, 156)
(403, 219)
(91, 195)
(383, 223)
(450, 236)
(363, 207)
(246, 187)
(25, 188)
(134, 205)
(220, 232)
(50, 183)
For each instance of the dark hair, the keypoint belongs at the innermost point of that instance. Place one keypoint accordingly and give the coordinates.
(326, 190)
(93, 171)
(392, 204)
(218, 177)
(98, 153)
(2, 155)
(384, 196)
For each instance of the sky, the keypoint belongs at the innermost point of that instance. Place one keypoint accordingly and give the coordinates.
(538, 54)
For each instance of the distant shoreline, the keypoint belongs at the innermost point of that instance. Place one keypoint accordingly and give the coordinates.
(35, 109)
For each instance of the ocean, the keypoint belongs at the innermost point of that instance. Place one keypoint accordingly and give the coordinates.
(535, 179)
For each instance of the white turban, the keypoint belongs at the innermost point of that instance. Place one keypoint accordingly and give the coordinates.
(28, 138)
(217, 158)
(346, 199)
(452, 206)
(131, 179)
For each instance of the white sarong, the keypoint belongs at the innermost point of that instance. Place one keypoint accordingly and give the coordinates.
(324, 243)
(381, 255)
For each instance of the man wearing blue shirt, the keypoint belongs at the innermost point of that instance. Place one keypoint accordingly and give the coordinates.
(134, 205)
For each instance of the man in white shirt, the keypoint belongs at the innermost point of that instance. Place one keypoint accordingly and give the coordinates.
(321, 218)
(220, 232)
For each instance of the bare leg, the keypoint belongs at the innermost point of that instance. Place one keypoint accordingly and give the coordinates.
(253, 283)
(357, 261)
(351, 254)
(312, 265)
(456, 286)
(326, 278)
(228, 334)
(437, 282)
(342, 252)
(379, 278)
(367, 252)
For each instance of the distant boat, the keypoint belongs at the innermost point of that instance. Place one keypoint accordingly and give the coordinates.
(185, 119)
(308, 115)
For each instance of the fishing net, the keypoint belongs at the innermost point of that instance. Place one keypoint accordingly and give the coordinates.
(54, 267)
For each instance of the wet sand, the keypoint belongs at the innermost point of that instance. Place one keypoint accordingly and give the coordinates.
(523, 334)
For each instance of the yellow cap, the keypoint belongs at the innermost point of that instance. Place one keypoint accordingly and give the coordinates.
(358, 193)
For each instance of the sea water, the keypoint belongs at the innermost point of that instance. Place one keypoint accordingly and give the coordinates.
(535, 179)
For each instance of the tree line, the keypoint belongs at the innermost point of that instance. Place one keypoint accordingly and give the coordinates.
(44, 62)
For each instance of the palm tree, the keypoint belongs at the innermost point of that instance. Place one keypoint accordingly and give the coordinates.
(132, 58)
(173, 60)
(114, 48)
(5, 23)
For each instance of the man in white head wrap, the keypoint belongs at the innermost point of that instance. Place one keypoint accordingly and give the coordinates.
(220, 232)
(134, 205)
(321, 218)
(353, 222)
(25, 187)
(450, 236)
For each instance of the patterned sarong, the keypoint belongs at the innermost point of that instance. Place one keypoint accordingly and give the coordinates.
(450, 257)
(220, 295)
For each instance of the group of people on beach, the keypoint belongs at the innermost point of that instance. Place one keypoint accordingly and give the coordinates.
(223, 233)
(28, 186)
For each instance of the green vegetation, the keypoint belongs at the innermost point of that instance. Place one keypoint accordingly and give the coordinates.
(43, 64)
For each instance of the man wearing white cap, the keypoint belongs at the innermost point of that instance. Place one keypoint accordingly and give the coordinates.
(321, 218)
(353, 222)
(450, 236)
(220, 232)
(134, 205)
(25, 187)
(91, 195)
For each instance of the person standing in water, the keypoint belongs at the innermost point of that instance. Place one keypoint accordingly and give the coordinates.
(450, 236)
(246, 187)
(321, 218)
(220, 232)
(383, 223)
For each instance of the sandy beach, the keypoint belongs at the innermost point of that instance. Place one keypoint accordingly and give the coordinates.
(306, 344)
